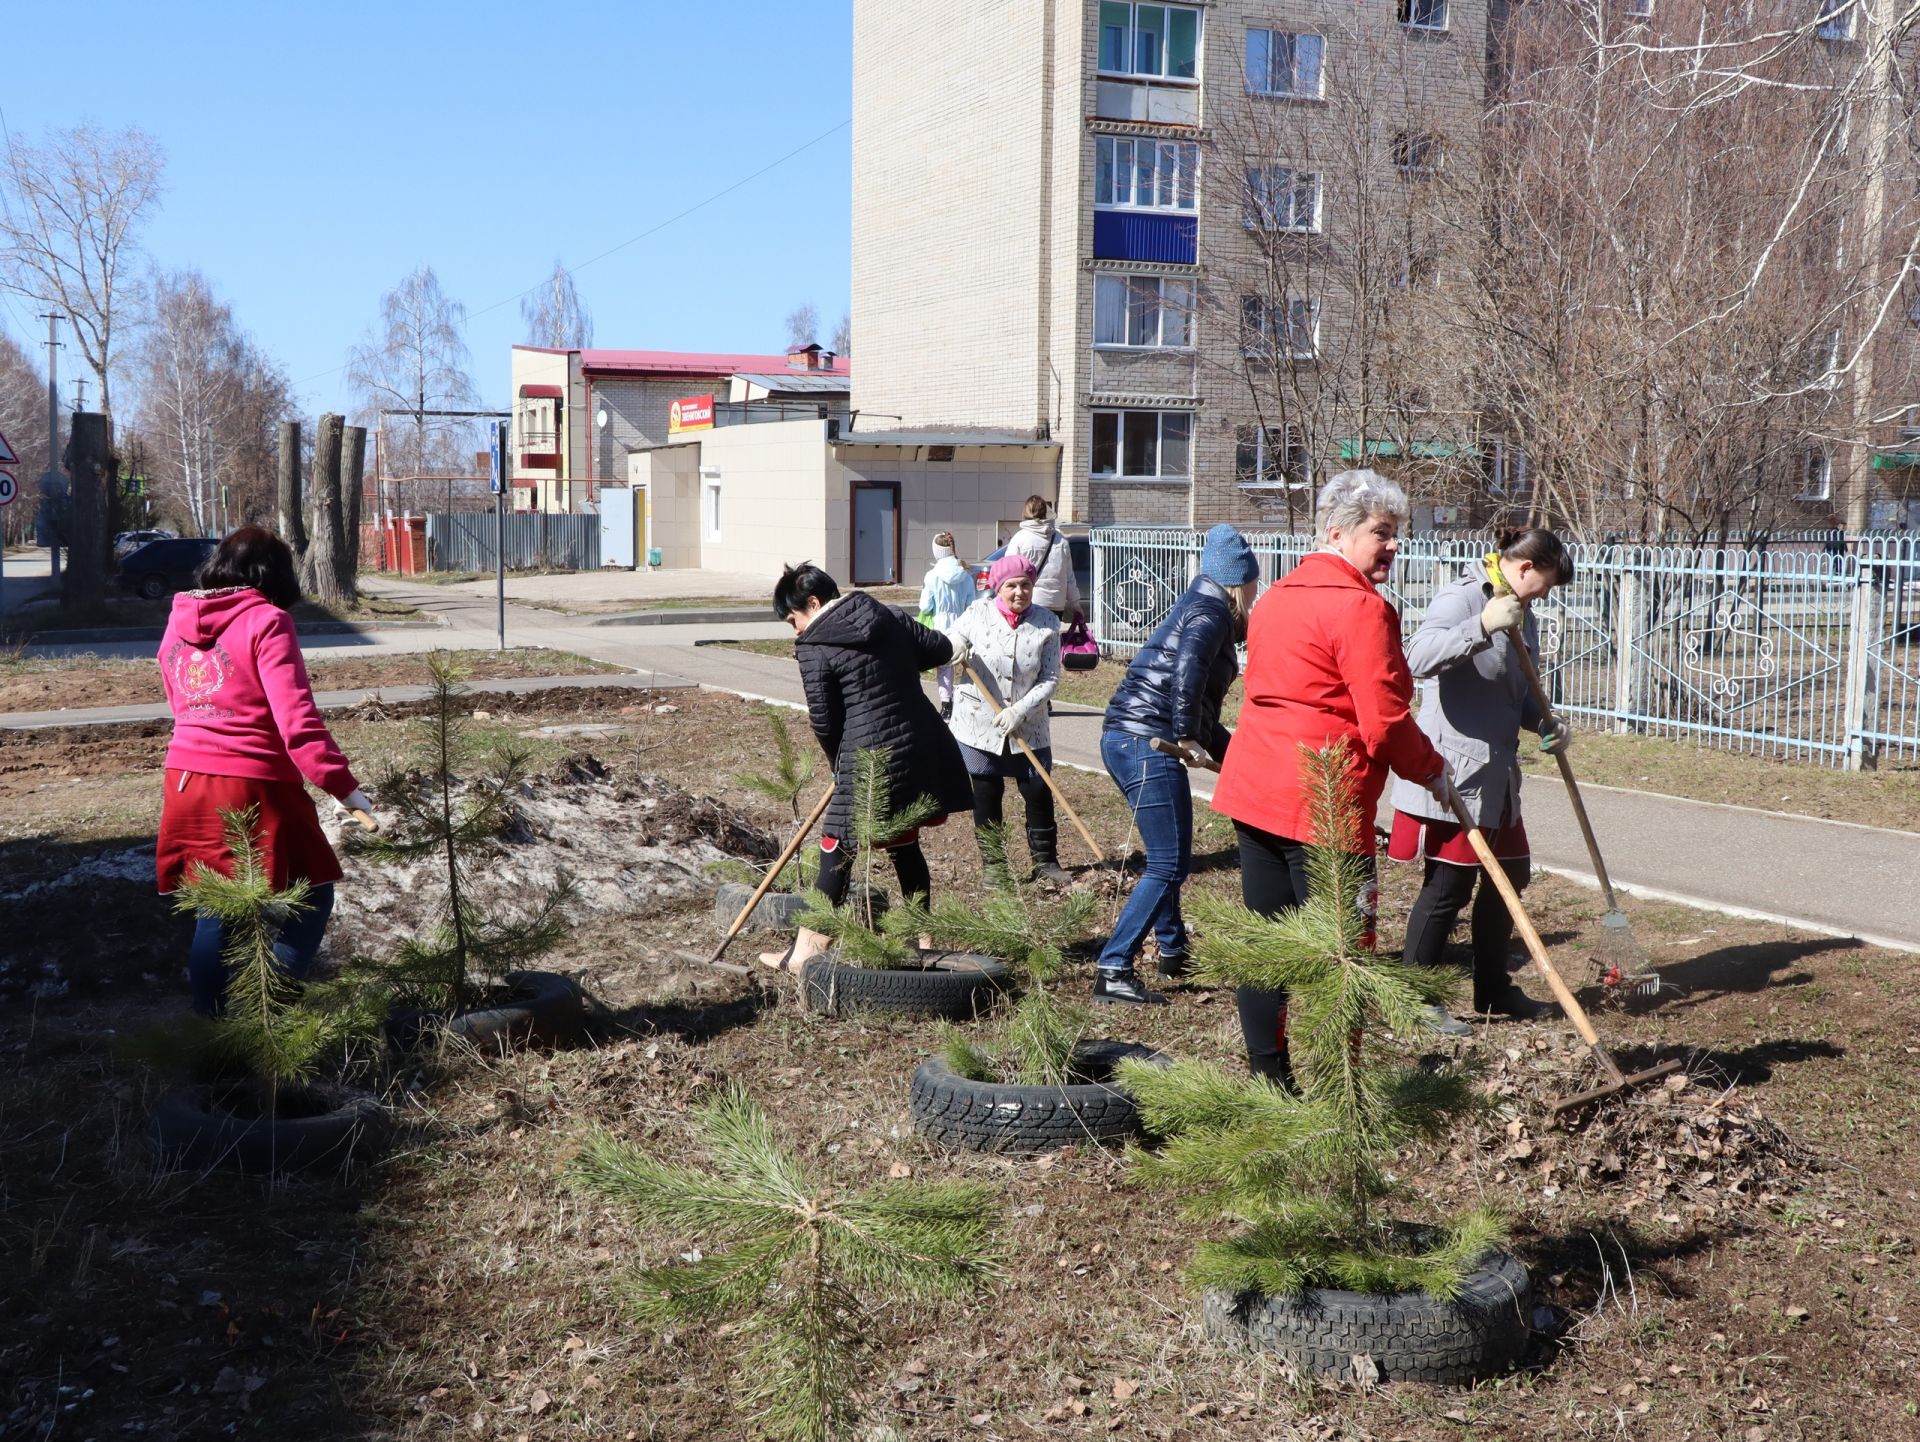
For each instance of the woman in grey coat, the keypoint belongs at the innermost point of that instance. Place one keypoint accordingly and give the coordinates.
(1474, 702)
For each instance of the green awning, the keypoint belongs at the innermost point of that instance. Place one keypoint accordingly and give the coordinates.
(1895, 460)
(1393, 450)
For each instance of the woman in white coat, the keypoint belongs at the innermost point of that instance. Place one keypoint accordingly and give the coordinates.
(1040, 541)
(1015, 651)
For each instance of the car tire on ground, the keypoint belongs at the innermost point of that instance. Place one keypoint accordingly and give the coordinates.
(956, 1111)
(152, 588)
(540, 1007)
(954, 985)
(1410, 1338)
(231, 1125)
(778, 910)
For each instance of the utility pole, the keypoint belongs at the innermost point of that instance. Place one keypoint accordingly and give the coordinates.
(1877, 41)
(79, 393)
(53, 319)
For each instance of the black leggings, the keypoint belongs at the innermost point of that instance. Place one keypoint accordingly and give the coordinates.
(1447, 890)
(989, 799)
(909, 865)
(1273, 881)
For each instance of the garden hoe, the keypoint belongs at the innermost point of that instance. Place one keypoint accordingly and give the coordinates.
(1616, 1080)
(1099, 856)
(1621, 960)
(766, 885)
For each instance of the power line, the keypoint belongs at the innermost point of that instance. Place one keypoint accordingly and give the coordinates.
(632, 239)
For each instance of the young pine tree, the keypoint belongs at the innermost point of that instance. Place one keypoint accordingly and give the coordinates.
(792, 773)
(455, 814)
(1305, 1172)
(789, 1260)
(875, 821)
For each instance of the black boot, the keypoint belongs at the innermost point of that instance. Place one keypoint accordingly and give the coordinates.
(1507, 999)
(1125, 987)
(1043, 842)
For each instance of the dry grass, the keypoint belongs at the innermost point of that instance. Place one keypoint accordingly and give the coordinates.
(461, 1289)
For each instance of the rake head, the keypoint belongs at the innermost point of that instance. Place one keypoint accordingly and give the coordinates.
(1620, 960)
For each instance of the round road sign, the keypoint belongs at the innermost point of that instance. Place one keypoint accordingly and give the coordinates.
(9, 488)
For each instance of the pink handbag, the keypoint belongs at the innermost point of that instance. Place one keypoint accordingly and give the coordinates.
(1078, 650)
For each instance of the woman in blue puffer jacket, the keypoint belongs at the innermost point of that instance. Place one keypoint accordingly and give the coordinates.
(1172, 692)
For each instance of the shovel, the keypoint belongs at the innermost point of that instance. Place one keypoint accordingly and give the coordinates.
(766, 885)
(1616, 1080)
(1099, 856)
(1622, 959)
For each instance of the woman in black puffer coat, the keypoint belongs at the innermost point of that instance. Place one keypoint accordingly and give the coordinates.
(860, 662)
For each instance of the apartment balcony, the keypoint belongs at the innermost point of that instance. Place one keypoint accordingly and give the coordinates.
(1154, 102)
(539, 450)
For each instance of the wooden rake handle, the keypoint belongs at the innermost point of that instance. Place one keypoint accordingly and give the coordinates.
(994, 706)
(1497, 874)
(773, 872)
(1204, 762)
(1532, 673)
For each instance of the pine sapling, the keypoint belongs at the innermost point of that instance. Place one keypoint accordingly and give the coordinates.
(1305, 1172)
(792, 769)
(456, 814)
(875, 822)
(793, 1263)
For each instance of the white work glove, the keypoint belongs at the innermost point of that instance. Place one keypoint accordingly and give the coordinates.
(962, 650)
(358, 802)
(1007, 722)
(1503, 613)
(1439, 786)
(1557, 739)
(1192, 753)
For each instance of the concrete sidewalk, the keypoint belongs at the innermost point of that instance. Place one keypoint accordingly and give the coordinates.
(1821, 876)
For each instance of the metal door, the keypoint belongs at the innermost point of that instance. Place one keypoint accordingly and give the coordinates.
(876, 535)
(616, 526)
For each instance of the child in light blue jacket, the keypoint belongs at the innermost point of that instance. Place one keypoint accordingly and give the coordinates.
(946, 592)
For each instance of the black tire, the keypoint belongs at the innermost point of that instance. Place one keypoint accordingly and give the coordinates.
(539, 1007)
(152, 587)
(221, 1124)
(954, 985)
(956, 1111)
(1411, 1337)
(778, 910)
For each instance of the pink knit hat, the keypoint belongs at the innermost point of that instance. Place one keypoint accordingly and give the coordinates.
(1009, 567)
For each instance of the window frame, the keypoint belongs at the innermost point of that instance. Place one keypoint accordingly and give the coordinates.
(1429, 27)
(1160, 77)
(1836, 20)
(1293, 443)
(710, 515)
(1417, 154)
(1259, 198)
(1132, 285)
(1506, 459)
(1120, 416)
(1821, 459)
(1264, 323)
(1186, 161)
(1319, 90)
(1638, 9)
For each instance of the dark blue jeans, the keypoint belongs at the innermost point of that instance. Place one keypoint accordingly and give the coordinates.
(295, 948)
(1162, 804)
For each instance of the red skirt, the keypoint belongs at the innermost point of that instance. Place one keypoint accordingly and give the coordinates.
(288, 832)
(1417, 836)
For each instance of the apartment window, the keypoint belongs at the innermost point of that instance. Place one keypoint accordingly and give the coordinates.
(1281, 198)
(1823, 365)
(1639, 9)
(1145, 174)
(1272, 457)
(1416, 154)
(1816, 476)
(1834, 20)
(1143, 445)
(1508, 471)
(1142, 310)
(1423, 14)
(1282, 330)
(1419, 270)
(1159, 42)
(1282, 63)
(710, 508)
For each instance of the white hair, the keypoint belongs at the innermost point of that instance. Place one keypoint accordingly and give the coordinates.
(1353, 497)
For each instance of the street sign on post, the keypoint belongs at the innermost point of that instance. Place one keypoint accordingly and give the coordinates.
(501, 435)
(7, 457)
(9, 488)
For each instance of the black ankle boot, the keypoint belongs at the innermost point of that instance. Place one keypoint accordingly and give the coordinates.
(1124, 987)
(1043, 843)
(1509, 1000)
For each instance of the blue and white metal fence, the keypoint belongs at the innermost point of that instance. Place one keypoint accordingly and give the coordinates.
(1808, 649)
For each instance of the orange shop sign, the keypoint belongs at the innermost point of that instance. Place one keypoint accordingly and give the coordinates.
(690, 413)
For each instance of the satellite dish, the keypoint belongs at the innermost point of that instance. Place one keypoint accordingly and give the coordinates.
(602, 418)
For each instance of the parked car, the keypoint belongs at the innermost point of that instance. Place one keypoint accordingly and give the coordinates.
(1079, 549)
(160, 568)
(127, 542)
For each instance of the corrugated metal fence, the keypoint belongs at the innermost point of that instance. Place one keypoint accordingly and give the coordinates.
(535, 541)
(1808, 649)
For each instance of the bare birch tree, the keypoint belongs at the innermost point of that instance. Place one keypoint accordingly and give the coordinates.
(554, 316)
(415, 359)
(843, 336)
(803, 324)
(23, 421)
(70, 217)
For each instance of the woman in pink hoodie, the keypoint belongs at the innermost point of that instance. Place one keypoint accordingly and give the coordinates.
(245, 732)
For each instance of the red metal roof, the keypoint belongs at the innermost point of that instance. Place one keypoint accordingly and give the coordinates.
(543, 393)
(696, 363)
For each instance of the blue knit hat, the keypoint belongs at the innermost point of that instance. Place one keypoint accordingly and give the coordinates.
(1227, 558)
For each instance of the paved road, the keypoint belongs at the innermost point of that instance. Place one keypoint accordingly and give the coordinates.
(1820, 875)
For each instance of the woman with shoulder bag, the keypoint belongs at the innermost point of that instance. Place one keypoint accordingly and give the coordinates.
(1015, 653)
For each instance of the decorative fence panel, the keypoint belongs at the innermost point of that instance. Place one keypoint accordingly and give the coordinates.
(1808, 649)
(535, 541)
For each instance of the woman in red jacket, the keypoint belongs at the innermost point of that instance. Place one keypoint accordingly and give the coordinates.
(245, 732)
(1324, 664)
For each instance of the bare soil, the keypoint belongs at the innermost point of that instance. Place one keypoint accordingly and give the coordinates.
(1734, 1255)
(74, 682)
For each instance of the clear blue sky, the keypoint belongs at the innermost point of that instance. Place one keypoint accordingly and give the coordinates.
(316, 154)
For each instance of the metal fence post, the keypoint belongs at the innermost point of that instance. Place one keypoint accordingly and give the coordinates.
(1626, 627)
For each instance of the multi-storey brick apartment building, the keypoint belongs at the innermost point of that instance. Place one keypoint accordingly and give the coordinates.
(1212, 250)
